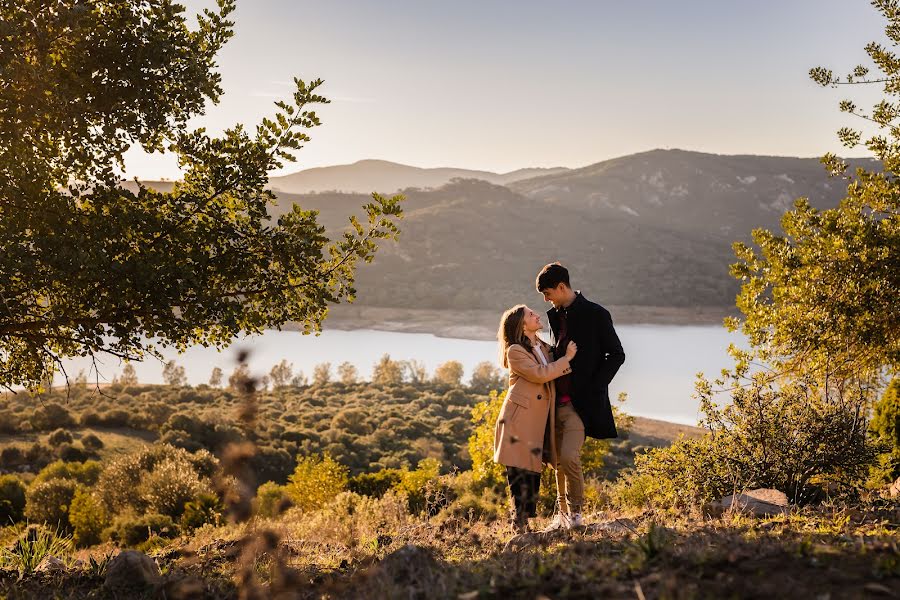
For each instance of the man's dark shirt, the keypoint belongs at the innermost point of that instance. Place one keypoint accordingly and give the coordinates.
(564, 383)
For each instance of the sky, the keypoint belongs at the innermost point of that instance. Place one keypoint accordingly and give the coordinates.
(501, 85)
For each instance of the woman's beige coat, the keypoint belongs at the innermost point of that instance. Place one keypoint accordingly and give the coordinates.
(530, 402)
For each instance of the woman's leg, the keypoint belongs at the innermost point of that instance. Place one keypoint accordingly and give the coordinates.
(534, 489)
(519, 492)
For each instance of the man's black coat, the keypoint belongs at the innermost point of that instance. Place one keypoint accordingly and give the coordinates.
(598, 359)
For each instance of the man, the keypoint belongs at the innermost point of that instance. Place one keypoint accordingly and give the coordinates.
(582, 396)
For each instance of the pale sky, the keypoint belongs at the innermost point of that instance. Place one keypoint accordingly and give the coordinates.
(501, 85)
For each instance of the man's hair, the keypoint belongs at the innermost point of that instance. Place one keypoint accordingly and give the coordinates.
(551, 276)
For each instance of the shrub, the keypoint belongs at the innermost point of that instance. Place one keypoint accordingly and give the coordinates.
(129, 531)
(132, 481)
(38, 456)
(686, 474)
(86, 473)
(271, 500)
(790, 437)
(51, 416)
(171, 485)
(12, 499)
(315, 481)
(60, 436)
(375, 484)
(205, 509)
(70, 453)
(48, 502)
(11, 457)
(415, 483)
(92, 443)
(481, 441)
(88, 517)
(885, 428)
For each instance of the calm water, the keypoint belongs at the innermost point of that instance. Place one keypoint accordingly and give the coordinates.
(658, 374)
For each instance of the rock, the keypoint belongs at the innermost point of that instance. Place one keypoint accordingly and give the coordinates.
(51, 564)
(894, 490)
(132, 569)
(760, 502)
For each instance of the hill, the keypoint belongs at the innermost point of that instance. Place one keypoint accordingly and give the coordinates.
(649, 231)
(382, 176)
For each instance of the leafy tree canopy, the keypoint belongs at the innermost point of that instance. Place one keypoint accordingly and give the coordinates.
(91, 266)
(821, 298)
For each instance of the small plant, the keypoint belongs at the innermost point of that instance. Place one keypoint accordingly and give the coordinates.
(33, 545)
(96, 567)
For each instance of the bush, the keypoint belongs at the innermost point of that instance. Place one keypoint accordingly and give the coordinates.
(206, 509)
(12, 499)
(171, 485)
(11, 457)
(271, 500)
(70, 453)
(687, 474)
(86, 473)
(788, 437)
(481, 441)
(51, 416)
(60, 436)
(885, 428)
(48, 502)
(415, 483)
(375, 484)
(316, 481)
(129, 531)
(92, 443)
(38, 456)
(88, 517)
(132, 481)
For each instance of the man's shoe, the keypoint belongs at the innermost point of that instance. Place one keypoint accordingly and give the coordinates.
(575, 520)
(560, 521)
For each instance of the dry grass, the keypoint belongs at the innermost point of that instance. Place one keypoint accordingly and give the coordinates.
(824, 553)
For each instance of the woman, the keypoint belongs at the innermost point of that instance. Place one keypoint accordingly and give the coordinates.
(524, 432)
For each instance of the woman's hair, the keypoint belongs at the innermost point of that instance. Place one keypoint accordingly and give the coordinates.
(512, 331)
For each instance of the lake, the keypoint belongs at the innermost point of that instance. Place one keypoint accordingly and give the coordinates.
(658, 374)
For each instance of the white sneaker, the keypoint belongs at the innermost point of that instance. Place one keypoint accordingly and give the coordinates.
(560, 521)
(574, 520)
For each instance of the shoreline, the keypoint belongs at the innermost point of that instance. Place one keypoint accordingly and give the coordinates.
(481, 324)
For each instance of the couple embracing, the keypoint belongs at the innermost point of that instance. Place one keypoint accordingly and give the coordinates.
(558, 394)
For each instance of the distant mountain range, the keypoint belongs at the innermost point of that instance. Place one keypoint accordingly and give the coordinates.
(385, 177)
(649, 229)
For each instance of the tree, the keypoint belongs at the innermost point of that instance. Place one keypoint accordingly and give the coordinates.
(173, 374)
(322, 373)
(822, 298)
(90, 265)
(239, 378)
(486, 377)
(281, 374)
(414, 371)
(347, 373)
(820, 310)
(450, 373)
(129, 375)
(215, 378)
(387, 371)
(299, 380)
